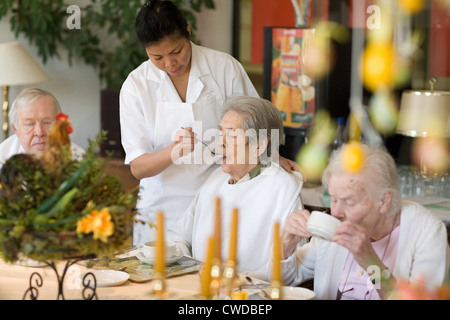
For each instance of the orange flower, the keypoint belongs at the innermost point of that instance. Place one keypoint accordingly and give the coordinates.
(85, 225)
(98, 222)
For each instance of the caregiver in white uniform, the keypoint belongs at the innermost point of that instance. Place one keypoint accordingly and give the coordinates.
(182, 85)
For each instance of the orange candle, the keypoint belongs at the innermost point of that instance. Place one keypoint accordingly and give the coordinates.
(160, 262)
(276, 253)
(233, 236)
(217, 232)
(206, 274)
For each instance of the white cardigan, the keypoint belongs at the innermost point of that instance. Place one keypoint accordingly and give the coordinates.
(423, 253)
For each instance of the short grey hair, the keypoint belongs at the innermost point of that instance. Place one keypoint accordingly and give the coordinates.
(259, 115)
(27, 97)
(378, 174)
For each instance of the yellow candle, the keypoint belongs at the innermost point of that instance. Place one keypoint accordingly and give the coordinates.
(276, 253)
(160, 250)
(206, 274)
(233, 236)
(217, 232)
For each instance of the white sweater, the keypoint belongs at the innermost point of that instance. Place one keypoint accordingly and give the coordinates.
(423, 253)
(262, 201)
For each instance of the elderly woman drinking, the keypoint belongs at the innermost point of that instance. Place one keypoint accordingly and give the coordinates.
(250, 180)
(381, 238)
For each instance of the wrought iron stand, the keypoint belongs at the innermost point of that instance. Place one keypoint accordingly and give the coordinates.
(88, 293)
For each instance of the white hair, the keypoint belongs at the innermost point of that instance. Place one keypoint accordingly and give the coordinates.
(378, 174)
(27, 97)
(260, 117)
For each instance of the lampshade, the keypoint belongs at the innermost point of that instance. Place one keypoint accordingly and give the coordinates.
(424, 114)
(17, 67)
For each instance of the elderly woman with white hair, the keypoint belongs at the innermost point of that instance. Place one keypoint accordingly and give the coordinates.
(250, 179)
(381, 239)
(32, 115)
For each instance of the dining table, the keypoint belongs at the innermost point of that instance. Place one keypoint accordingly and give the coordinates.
(27, 279)
(16, 279)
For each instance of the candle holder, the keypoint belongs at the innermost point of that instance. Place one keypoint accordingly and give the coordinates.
(216, 279)
(159, 286)
(88, 293)
(275, 291)
(230, 279)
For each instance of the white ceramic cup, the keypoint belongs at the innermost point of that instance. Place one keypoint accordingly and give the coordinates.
(322, 225)
(148, 249)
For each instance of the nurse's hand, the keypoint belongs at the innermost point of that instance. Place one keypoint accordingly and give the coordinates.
(289, 166)
(184, 143)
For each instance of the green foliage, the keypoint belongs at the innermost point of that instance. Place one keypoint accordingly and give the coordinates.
(26, 184)
(106, 40)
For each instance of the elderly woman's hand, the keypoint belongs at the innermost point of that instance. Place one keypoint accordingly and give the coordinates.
(294, 231)
(355, 238)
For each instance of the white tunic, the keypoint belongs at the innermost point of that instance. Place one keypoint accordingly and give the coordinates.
(268, 198)
(151, 111)
(12, 146)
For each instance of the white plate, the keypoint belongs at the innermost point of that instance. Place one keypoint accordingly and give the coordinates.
(293, 293)
(108, 278)
(26, 262)
(144, 259)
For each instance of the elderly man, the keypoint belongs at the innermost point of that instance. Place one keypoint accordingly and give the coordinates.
(32, 114)
(381, 238)
(250, 180)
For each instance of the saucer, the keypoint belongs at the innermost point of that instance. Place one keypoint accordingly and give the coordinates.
(26, 262)
(144, 259)
(108, 278)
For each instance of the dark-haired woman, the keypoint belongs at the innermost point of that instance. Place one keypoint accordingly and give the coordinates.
(182, 85)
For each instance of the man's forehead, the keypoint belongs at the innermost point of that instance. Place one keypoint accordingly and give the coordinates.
(41, 105)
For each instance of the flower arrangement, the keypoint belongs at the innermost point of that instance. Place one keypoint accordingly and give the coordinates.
(54, 207)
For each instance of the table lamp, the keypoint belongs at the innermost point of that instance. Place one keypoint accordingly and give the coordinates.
(17, 67)
(425, 114)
